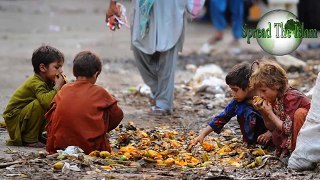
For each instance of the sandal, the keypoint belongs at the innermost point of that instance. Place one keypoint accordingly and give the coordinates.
(157, 111)
(152, 101)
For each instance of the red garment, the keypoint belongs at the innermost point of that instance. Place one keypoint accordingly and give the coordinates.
(286, 109)
(299, 118)
(80, 115)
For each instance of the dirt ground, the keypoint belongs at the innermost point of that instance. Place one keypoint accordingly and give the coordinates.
(75, 25)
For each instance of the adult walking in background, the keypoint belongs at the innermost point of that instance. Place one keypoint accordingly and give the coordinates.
(157, 35)
(217, 9)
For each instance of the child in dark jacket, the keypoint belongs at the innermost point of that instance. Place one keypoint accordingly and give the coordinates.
(251, 123)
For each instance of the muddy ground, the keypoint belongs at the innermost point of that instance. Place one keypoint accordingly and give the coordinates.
(74, 25)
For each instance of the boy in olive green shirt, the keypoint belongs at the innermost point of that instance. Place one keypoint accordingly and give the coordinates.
(24, 114)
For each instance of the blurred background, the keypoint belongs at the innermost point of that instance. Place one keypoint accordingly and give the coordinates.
(306, 10)
(75, 25)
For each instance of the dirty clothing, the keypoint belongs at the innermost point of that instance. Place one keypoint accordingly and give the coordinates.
(299, 117)
(24, 114)
(80, 115)
(250, 121)
(156, 51)
(292, 110)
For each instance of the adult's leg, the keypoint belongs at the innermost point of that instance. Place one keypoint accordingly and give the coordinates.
(147, 66)
(237, 11)
(217, 13)
(166, 74)
(217, 9)
(298, 120)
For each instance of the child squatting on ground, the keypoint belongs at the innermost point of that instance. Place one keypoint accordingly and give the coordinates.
(24, 114)
(283, 108)
(82, 113)
(251, 123)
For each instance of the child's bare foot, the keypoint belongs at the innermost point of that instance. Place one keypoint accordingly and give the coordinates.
(35, 145)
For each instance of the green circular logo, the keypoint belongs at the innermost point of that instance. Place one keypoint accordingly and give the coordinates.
(283, 32)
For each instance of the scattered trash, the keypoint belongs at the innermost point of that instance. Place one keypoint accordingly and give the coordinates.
(13, 175)
(191, 67)
(58, 165)
(291, 63)
(10, 151)
(212, 85)
(71, 151)
(144, 90)
(54, 28)
(65, 168)
(209, 78)
(235, 51)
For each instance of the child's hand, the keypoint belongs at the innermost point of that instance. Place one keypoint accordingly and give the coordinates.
(59, 81)
(195, 141)
(261, 105)
(264, 138)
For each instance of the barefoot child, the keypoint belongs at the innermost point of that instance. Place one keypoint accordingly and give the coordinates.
(24, 114)
(284, 109)
(251, 123)
(82, 113)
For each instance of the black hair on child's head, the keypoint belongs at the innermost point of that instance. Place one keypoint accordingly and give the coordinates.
(239, 75)
(45, 54)
(86, 64)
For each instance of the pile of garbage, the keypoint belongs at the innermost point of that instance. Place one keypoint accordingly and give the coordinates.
(164, 147)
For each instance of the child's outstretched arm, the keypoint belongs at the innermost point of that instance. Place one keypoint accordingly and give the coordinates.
(200, 138)
(216, 124)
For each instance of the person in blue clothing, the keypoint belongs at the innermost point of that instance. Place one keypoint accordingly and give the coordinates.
(217, 11)
(251, 122)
